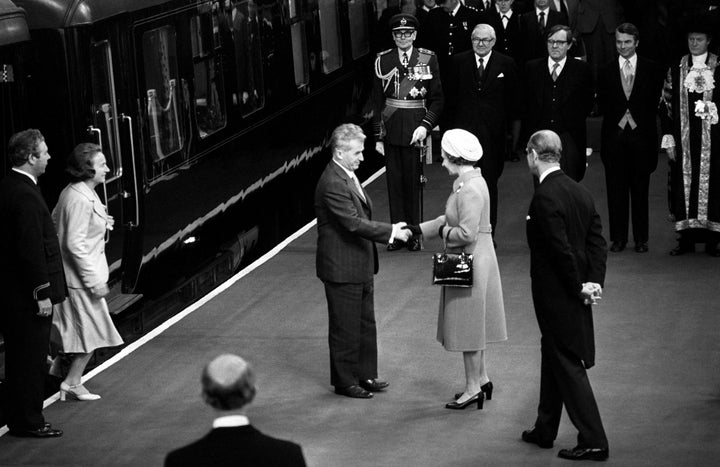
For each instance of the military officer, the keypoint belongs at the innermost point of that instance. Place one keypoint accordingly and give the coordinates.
(407, 101)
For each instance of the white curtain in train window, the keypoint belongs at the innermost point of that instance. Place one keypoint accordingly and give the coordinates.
(299, 48)
(330, 40)
(246, 31)
(207, 80)
(161, 82)
(359, 41)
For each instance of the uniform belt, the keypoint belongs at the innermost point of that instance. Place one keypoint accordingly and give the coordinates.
(405, 104)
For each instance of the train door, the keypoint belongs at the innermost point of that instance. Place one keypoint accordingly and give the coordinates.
(113, 128)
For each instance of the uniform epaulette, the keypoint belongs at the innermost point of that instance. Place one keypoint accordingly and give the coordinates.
(425, 51)
(384, 52)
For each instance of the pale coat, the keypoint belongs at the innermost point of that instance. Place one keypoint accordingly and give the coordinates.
(81, 221)
(469, 318)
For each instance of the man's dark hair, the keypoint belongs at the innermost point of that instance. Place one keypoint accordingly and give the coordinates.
(24, 144)
(628, 28)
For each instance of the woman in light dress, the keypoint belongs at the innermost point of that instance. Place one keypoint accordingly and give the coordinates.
(82, 322)
(469, 318)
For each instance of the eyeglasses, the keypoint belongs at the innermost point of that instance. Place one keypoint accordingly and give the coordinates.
(556, 43)
(482, 40)
(403, 34)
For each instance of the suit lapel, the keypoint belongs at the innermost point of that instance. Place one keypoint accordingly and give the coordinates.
(491, 71)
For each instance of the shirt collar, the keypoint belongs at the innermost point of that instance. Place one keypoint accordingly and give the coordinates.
(231, 421)
(544, 175)
(699, 61)
(538, 10)
(348, 172)
(26, 174)
(551, 62)
(486, 59)
(408, 52)
(633, 61)
(508, 14)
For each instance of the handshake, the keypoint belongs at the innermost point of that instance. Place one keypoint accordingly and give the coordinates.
(591, 292)
(403, 232)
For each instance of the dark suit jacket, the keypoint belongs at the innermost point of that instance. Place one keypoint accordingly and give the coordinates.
(566, 249)
(576, 99)
(436, 34)
(237, 446)
(347, 234)
(508, 39)
(643, 104)
(29, 251)
(532, 38)
(484, 108)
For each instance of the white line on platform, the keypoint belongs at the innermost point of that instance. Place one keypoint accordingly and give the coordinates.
(176, 318)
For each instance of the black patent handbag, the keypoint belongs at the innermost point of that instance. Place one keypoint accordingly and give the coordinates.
(453, 269)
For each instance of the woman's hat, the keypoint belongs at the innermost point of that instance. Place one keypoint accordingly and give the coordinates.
(463, 144)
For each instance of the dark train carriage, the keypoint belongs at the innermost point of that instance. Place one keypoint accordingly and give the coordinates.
(213, 116)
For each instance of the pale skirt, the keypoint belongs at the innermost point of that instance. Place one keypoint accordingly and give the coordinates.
(82, 323)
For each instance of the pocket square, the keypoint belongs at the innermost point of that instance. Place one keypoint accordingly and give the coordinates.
(501, 75)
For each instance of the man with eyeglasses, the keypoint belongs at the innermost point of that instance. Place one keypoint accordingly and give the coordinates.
(628, 91)
(485, 95)
(559, 98)
(534, 25)
(407, 100)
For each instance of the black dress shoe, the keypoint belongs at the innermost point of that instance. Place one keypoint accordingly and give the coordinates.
(414, 244)
(532, 436)
(395, 245)
(617, 247)
(353, 391)
(682, 248)
(374, 384)
(582, 454)
(641, 247)
(45, 432)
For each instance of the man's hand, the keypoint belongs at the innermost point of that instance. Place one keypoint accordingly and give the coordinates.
(591, 292)
(398, 233)
(44, 307)
(419, 136)
(100, 290)
(670, 153)
(380, 147)
(110, 222)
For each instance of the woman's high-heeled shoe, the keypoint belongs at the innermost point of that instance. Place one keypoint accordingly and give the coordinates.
(486, 388)
(478, 398)
(77, 392)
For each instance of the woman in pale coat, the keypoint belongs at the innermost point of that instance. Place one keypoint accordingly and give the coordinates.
(469, 318)
(82, 322)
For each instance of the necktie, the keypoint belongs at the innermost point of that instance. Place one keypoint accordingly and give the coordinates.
(358, 188)
(505, 21)
(541, 20)
(480, 69)
(627, 77)
(627, 69)
(554, 73)
(404, 60)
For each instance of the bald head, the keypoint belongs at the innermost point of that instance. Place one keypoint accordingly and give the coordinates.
(228, 382)
(547, 145)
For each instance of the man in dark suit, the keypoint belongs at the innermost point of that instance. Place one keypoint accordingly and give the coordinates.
(559, 98)
(506, 23)
(484, 96)
(346, 262)
(407, 100)
(534, 25)
(228, 386)
(32, 281)
(596, 21)
(628, 93)
(567, 268)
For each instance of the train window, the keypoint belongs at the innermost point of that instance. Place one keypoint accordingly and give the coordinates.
(247, 29)
(161, 82)
(299, 50)
(359, 40)
(331, 42)
(209, 91)
(105, 122)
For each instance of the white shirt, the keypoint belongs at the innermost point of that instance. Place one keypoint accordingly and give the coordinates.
(26, 174)
(230, 421)
(699, 61)
(486, 59)
(548, 172)
(408, 52)
(349, 173)
(552, 63)
(537, 13)
(633, 63)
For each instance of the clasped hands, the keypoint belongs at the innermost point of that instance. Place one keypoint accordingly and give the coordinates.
(400, 232)
(591, 292)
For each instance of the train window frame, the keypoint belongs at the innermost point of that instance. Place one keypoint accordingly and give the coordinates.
(331, 41)
(209, 100)
(359, 28)
(249, 67)
(158, 161)
(109, 138)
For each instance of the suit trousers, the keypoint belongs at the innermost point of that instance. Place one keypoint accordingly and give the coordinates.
(352, 335)
(27, 337)
(573, 160)
(628, 185)
(403, 181)
(563, 380)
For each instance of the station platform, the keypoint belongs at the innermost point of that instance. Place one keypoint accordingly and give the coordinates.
(656, 379)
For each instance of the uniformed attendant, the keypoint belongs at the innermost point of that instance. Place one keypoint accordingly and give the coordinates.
(407, 101)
